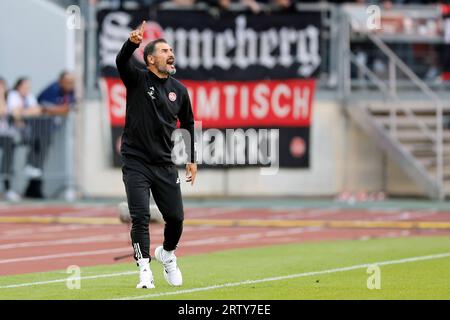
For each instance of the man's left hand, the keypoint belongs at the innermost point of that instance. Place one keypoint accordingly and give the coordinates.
(191, 172)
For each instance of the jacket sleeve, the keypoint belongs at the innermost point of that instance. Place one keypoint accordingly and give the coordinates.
(127, 71)
(186, 117)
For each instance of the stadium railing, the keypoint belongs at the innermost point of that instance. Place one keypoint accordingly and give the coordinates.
(53, 141)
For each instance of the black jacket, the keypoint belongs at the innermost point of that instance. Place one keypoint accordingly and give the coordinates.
(151, 116)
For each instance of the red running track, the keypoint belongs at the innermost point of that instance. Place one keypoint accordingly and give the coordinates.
(26, 248)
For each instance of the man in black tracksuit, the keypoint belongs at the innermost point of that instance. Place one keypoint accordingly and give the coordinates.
(155, 101)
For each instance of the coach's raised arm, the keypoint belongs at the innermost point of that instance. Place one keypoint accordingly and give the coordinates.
(128, 73)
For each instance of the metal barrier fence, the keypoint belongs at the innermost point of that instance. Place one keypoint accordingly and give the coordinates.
(414, 33)
(37, 157)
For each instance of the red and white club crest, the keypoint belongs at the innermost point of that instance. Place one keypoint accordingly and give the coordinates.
(172, 96)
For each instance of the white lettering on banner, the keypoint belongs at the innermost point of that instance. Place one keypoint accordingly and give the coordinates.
(206, 48)
(115, 31)
(181, 54)
(224, 43)
(301, 103)
(252, 102)
(286, 37)
(246, 39)
(308, 47)
(168, 35)
(269, 42)
(234, 104)
(281, 111)
(194, 48)
(230, 92)
(208, 106)
(207, 53)
(118, 99)
(261, 107)
(244, 102)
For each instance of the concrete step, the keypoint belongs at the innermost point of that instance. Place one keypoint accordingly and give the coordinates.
(419, 107)
(411, 135)
(394, 148)
(426, 149)
(430, 161)
(445, 171)
(406, 122)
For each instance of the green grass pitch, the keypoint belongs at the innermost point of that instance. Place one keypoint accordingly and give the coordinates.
(423, 279)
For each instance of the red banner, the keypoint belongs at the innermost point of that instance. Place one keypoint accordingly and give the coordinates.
(235, 104)
(263, 103)
(115, 94)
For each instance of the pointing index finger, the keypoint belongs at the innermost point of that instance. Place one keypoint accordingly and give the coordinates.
(141, 29)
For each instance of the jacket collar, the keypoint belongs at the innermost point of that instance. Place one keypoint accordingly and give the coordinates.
(156, 78)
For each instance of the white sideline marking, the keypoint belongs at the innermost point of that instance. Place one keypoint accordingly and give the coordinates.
(233, 284)
(65, 255)
(65, 279)
(188, 243)
(298, 275)
(42, 243)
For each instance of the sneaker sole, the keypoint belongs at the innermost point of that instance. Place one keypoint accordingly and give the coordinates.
(145, 287)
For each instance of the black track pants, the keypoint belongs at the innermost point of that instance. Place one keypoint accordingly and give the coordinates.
(163, 181)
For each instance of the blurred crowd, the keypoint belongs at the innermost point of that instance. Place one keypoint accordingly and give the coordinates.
(255, 5)
(26, 120)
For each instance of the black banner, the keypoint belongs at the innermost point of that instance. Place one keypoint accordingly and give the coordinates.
(234, 46)
(235, 63)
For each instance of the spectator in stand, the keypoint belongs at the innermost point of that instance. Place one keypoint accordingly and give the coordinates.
(7, 145)
(184, 3)
(59, 97)
(282, 5)
(253, 5)
(24, 108)
(55, 102)
(21, 103)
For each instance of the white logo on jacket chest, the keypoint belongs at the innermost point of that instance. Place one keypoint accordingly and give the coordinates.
(151, 93)
(172, 96)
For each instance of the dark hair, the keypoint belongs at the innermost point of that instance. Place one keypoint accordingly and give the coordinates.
(150, 48)
(19, 82)
(63, 74)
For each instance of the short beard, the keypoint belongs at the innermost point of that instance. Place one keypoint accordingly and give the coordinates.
(169, 72)
(172, 71)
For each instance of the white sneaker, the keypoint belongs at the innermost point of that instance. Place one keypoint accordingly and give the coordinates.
(145, 275)
(172, 273)
(12, 196)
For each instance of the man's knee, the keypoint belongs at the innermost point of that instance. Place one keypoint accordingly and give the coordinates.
(175, 219)
(140, 222)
